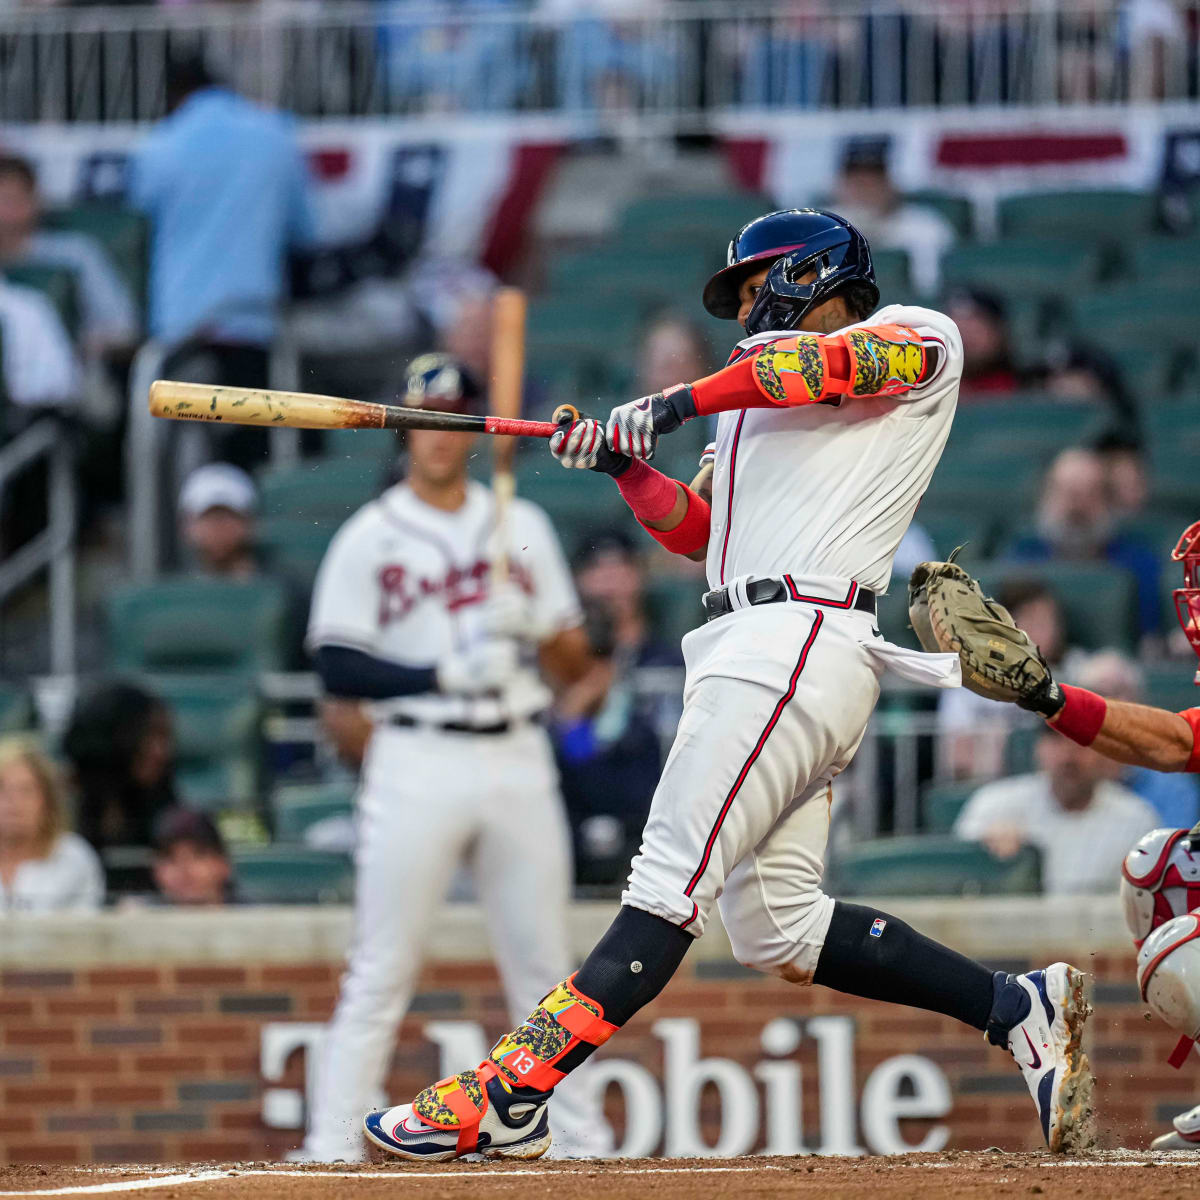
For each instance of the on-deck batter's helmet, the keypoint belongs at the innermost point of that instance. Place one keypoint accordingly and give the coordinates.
(1187, 598)
(441, 383)
(792, 242)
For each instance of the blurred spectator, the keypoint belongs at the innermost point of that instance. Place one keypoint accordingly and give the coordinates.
(1070, 809)
(973, 731)
(1076, 522)
(43, 867)
(1175, 798)
(673, 350)
(120, 743)
(606, 735)
(468, 336)
(108, 315)
(216, 514)
(988, 366)
(1128, 480)
(40, 368)
(1077, 371)
(191, 864)
(866, 197)
(220, 236)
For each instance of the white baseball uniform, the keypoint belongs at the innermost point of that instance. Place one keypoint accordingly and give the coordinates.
(778, 696)
(406, 582)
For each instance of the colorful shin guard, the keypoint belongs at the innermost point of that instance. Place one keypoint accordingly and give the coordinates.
(524, 1058)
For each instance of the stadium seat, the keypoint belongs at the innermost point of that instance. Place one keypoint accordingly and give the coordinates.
(1024, 269)
(1148, 370)
(932, 865)
(892, 615)
(16, 708)
(296, 807)
(217, 748)
(1167, 261)
(1004, 426)
(996, 488)
(674, 606)
(949, 528)
(1146, 313)
(893, 274)
(295, 546)
(707, 218)
(198, 625)
(942, 802)
(320, 489)
(1104, 215)
(649, 274)
(958, 210)
(292, 875)
(124, 234)
(581, 503)
(57, 284)
(1098, 600)
(1171, 685)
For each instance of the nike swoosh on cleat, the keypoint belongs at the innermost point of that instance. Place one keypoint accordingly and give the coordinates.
(1037, 1058)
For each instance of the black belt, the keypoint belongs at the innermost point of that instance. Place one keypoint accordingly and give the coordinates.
(405, 722)
(773, 591)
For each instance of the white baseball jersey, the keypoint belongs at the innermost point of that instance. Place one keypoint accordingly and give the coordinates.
(406, 582)
(828, 489)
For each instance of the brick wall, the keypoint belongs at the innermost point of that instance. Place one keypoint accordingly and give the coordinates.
(160, 1063)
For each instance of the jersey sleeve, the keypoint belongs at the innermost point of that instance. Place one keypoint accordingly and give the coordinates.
(345, 603)
(1192, 717)
(555, 602)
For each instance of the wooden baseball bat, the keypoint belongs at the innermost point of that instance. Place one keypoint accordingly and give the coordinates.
(504, 400)
(305, 410)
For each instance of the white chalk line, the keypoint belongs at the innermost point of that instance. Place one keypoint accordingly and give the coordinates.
(1185, 1159)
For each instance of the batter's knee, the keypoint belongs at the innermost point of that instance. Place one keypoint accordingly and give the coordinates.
(786, 942)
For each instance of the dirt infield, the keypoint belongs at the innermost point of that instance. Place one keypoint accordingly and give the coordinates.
(974, 1174)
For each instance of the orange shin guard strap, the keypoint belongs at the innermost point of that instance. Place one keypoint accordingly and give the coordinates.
(586, 1026)
(459, 1103)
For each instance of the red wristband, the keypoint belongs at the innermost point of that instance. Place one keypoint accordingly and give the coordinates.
(691, 534)
(1081, 716)
(648, 492)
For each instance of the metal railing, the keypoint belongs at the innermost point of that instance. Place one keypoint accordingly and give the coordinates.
(53, 549)
(678, 62)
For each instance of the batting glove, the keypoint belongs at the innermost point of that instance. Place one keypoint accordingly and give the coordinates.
(581, 444)
(633, 428)
(483, 667)
(506, 612)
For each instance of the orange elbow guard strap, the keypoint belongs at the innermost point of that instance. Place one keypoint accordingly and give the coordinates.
(806, 368)
(691, 534)
(527, 1056)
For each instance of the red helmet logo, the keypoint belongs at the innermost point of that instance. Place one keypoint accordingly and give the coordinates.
(1187, 598)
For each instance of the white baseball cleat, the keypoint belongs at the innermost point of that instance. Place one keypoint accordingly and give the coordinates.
(1046, 1043)
(469, 1113)
(1185, 1135)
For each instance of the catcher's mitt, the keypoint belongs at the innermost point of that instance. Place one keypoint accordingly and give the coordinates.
(949, 612)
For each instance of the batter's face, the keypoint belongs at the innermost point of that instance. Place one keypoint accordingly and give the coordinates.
(437, 457)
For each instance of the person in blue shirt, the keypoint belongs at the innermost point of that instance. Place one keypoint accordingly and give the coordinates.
(225, 186)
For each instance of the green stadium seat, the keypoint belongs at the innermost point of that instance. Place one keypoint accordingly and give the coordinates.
(198, 625)
(580, 503)
(892, 615)
(711, 218)
(958, 210)
(647, 274)
(994, 488)
(57, 284)
(1004, 426)
(949, 528)
(1024, 269)
(1155, 316)
(320, 489)
(932, 865)
(292, 875)
(1167, 261)
(942, 802)
(16, 708)
(1099, 601)
(1148, 371)
(1101, 215)
(124, 234)
(294, 546)
(1171, 685)
(674, 607)
(375, 450)
(217, 747)
(894, 276)
(296, 807)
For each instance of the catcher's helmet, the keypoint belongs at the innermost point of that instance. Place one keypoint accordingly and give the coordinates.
(792, 242)
(1187, 598)
(441, 383)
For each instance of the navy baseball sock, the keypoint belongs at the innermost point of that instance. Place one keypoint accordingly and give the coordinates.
(868, 953)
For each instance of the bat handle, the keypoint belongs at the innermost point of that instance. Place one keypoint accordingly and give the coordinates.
(564, 413)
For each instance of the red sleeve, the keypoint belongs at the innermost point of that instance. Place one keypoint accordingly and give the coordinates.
(1192, 717)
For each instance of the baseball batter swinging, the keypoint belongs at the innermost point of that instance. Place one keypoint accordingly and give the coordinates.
(1160, 878)
(832, 414)
(408, 619)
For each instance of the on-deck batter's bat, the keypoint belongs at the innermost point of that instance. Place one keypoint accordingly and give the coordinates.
(504, 401)
(304, 410)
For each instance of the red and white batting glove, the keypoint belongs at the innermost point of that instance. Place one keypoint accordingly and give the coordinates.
(582, 444)
(633, 428)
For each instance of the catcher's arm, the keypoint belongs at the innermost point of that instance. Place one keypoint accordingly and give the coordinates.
(1134, 733)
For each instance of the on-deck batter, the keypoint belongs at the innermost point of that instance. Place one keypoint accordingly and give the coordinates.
(833, 415)
(406, 618)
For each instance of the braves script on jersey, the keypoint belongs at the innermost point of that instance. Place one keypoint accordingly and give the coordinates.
(405, 581)
(829, 489)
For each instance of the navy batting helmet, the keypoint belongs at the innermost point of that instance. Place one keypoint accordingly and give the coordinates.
(441, 383)
(791, 242)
